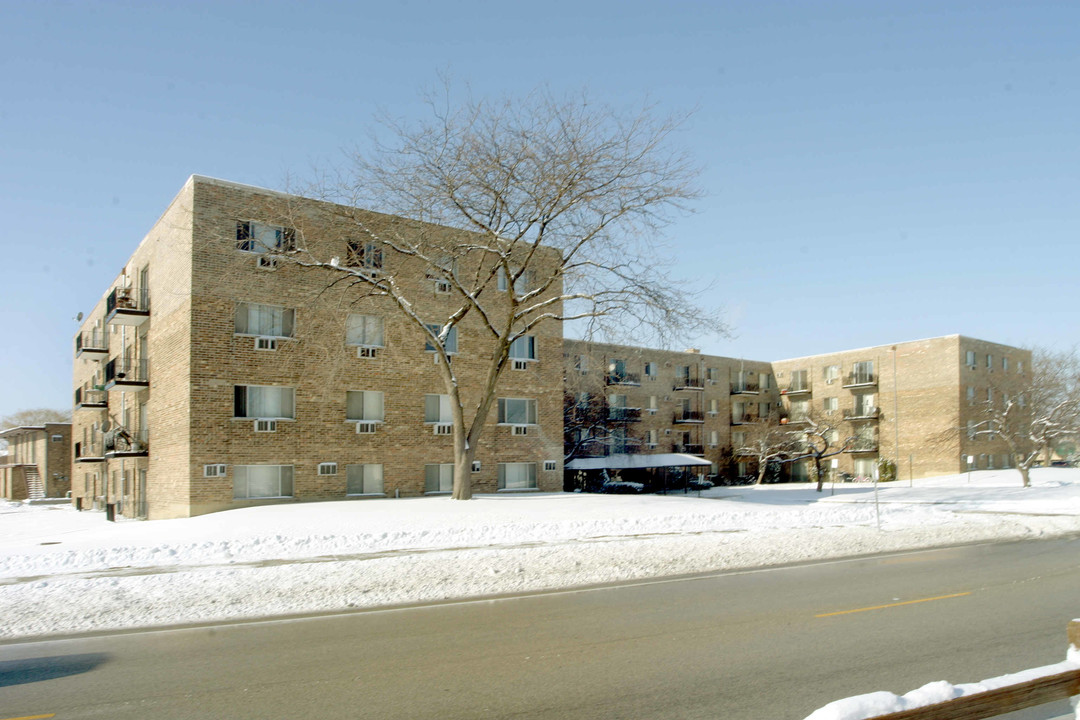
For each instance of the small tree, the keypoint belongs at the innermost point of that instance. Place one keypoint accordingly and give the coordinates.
(1030, 414)
(765, 440)
(818, 437)
(555, 203)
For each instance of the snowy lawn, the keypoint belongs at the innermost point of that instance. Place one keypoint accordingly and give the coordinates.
(63, 571)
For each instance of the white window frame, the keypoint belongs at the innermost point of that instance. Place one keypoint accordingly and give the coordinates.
(520, 484)
(272, 321)
(445, 414)
(451, 339)
(523, 349)
(372, 406)
(284, 481)
(445, 478)
(365, 469)
(531, 411)
(258, 234)
(371, 329)
(259, 390)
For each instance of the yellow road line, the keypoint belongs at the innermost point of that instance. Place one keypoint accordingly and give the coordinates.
(32, 717)
(895, 604)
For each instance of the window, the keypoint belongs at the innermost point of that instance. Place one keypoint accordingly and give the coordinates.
(521, 285)
(763, 410)
(437, 409)
(366, 479)
(524, 348)
(367, 255)
(262, 481)
(832, 373)
(264, 320)
(714, 438)
(865, 468)
(989, 361)
(989, 395)
(800, 409)
(1020, 367)
(517, 411)
(328, 468)
(829, 405)
(711, 374)
(714, 406)
(969, 358)
(260, 401)
(650, 438)
(517, 476)
(971, 429)
(1005, 364)
(652, 404)
(581, 364)
(765, 381)
(862, 372)
(738, 438)
(364, 330)
(864, 405)
(439, 477)
(799, 381)
(451, 339)
(970, 395)
(364, 405)
(58, 438)
(258, 237)
(650, 370)
(738, 411)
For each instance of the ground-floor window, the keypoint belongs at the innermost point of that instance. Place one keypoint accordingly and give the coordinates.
(865, 469)
(439, 477)
(364, 479)
(800, 471)
(262, 481)
(517, 476)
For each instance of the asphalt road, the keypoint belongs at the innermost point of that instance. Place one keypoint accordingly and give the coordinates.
(760, 644)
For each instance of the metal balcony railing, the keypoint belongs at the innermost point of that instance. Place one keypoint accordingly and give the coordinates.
(127, 306)
(689, 383)
(746, 387)
(623, 378)
(91, 341)
(796, 389)
(624, 414)
(690, 449)
(126, 372)
(856, 379)
(689, 416)
(91, 398)
(865, 412)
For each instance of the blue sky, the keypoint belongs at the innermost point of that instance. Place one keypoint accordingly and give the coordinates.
(874, 172)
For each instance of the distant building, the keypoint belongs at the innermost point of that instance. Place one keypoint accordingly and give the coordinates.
(926, 394)
(38, 462)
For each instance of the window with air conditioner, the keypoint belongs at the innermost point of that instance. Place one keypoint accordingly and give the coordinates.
(262, 481)
(969, 358)
(517, 476)
(451, 343)
(265, 402)
(439, 477)
(517, 411)
(523, 349)
(264, 320)
(257, 237)
(832, 374)
(365, 332)
(364, 479)
(830, 405)
(364, 407)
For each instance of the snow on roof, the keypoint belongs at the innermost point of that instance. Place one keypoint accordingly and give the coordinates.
(624, 462)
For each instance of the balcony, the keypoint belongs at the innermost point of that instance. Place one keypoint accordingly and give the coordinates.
(867, 412)
(86, 452)
(863, 445)
(860, 379)
(127, 306)
(690, 449)
(797, 389)
(91, 399)
(744, 419)
(92, 343)
(624, 414)
(122, 444)
(126, 374)
(688, 383)
(745, 389)
(689, 416)
(623, 378)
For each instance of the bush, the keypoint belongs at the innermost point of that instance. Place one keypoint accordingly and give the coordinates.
(886, 470)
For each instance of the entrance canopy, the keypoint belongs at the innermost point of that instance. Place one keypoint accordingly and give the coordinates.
(626, 462)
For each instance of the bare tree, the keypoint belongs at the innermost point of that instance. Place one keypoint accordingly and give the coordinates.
(35, 416)
(818, 436)
(765, 440)
(557, 203)
(1029, 414)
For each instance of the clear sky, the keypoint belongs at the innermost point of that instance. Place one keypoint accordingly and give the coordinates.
(874, 171)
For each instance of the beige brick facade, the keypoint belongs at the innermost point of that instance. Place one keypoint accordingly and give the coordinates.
(910, 403)
(188, 443)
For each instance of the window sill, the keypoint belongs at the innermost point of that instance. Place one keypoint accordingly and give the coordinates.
(437, 492)
(518, 490)
(250, 419)
(272, 337)
(365, 495)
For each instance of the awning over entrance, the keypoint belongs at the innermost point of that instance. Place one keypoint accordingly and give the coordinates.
(626, 462)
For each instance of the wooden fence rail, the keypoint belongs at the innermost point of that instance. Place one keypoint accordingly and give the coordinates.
(1002, 700)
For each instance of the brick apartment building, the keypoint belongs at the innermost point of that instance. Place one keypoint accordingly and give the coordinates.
(38, 462)
(213, 374)
(917, 403)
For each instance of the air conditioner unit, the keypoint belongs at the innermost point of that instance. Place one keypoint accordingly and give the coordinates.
(328, 468)
(266, 426)
(217, 470)
(550, 465)
(476, 466)
(712, 382)
(265, 343)
(442, 286)
(435, 358)
(521, 365)
(364, 428)
(443, 429)
(367, 352)
(521, 429)
(830, 381)
(263, 262)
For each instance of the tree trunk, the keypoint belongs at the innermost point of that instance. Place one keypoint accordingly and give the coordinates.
(762, 467)
(820, 477)
(1024, 475)
(462, 476)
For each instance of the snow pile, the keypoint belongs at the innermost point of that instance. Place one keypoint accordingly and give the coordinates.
(861, 707)
(63, 571)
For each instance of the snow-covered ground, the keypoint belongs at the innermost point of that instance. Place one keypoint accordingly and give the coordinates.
(63, 571)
